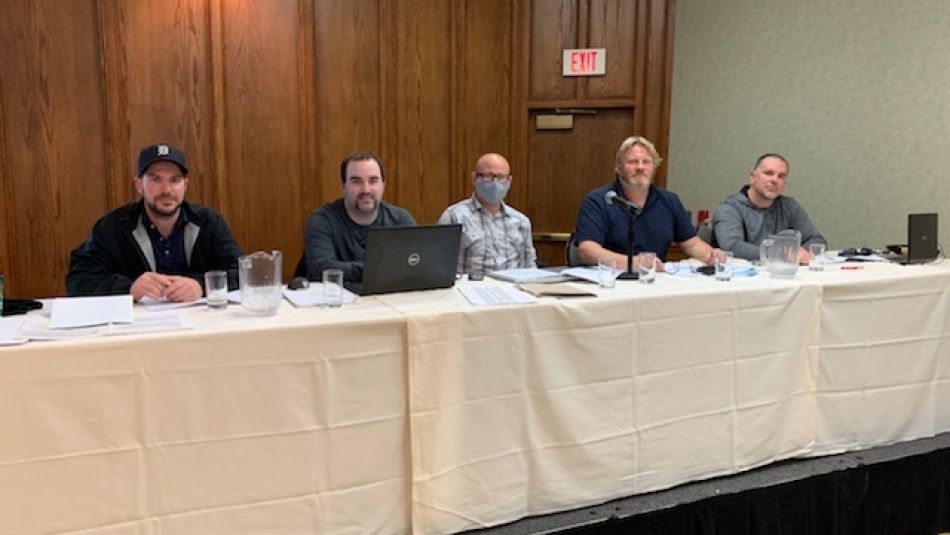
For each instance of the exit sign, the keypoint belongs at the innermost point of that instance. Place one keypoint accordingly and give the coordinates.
(584, 62)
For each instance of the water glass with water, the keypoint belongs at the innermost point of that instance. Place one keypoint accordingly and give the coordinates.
(216, 288)
(646, 267)
(724, 265)
(817, 261)
(333, 287)
(607, 272)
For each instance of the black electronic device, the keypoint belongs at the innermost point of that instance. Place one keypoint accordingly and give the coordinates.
(856, 251)
(298, 283)
(401, 259)
(921, 245)
(14, 307)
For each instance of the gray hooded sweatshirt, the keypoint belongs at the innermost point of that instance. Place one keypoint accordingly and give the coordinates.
(740, 226)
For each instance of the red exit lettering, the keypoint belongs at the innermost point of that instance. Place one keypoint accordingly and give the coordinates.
(583, 60)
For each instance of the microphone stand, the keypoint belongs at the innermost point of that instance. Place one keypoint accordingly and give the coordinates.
(630, 274)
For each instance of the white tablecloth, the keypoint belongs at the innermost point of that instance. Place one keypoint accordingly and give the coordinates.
(289, 424)
(420, 413)
(884, 373)
(520, 411)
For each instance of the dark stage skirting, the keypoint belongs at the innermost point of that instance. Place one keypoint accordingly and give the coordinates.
(898, 489)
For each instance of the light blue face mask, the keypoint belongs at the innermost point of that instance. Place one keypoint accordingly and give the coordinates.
(492, 192)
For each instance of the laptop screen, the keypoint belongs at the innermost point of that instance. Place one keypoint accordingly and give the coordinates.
(921, 238)
(399, 259)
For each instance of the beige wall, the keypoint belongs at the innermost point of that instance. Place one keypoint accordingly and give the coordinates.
(856, 93)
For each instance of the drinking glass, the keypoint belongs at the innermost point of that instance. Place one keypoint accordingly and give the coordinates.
(817, 261)
(333, 287)
(724, 265)
(607, 272)
(216, 288)
(646, 267)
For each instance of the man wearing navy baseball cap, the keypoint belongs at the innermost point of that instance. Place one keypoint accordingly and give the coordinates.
(159, 246)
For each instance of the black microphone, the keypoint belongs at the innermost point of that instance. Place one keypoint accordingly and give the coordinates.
(612, 198)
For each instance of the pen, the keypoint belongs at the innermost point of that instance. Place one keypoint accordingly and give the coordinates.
(852, 267)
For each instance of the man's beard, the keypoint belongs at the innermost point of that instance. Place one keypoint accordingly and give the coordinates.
(359, 207)
(164, 213)
(636, 181)
(769, 195)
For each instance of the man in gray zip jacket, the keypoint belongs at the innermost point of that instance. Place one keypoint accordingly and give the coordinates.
(759, 210)
(160, 246)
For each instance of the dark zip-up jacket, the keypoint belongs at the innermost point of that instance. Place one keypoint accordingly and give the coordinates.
(118, 251)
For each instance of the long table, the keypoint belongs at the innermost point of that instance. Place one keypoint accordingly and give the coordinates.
(289, 424)
(420, 413)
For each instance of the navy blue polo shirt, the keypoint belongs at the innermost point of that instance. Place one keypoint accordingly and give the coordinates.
(169, 253)
(662, 221)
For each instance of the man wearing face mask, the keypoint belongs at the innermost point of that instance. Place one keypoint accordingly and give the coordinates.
(335, 236)
(601, 230)
(494, 235)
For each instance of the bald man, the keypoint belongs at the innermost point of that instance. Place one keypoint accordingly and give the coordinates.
(494, 235)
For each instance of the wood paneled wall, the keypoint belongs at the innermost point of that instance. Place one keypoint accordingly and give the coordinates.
(266, 97)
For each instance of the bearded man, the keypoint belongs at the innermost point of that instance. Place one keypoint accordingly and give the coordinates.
(159, 246)
(761, 209)
(602, 223)
(335, 236)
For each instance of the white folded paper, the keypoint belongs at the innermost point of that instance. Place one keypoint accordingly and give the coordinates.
(37, 329)
(70, 312)
(586, 273)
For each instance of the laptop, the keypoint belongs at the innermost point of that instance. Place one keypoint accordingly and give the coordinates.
(400, 259)
(922, 246)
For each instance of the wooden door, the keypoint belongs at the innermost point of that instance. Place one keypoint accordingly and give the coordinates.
(566, 164)
(632, 98)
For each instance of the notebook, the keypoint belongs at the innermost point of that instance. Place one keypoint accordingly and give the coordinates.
(399, 259)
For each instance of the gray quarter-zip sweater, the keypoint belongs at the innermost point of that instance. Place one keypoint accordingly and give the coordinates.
(740, 226)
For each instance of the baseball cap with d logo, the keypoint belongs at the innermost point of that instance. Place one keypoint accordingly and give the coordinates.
(161, 152)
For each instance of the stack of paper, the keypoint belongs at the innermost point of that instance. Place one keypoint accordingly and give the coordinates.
(527, 275)
(495, 295)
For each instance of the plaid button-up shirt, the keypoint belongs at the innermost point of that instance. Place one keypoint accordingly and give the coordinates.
(491, 241)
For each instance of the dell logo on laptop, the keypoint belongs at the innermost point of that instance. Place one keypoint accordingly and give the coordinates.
(414, 259)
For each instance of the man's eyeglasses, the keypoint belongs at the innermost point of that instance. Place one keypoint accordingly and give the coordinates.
(486, 177)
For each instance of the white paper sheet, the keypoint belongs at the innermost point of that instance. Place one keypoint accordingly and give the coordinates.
(158, 305)
(10, 331)
(527, 275)
(69, 312)
(38, 329)
(171, 321)
(496, 295)
(313, 296)
(586, 273)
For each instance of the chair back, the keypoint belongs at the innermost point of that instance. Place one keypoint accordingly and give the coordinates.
(706, 232)
(572, 255)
